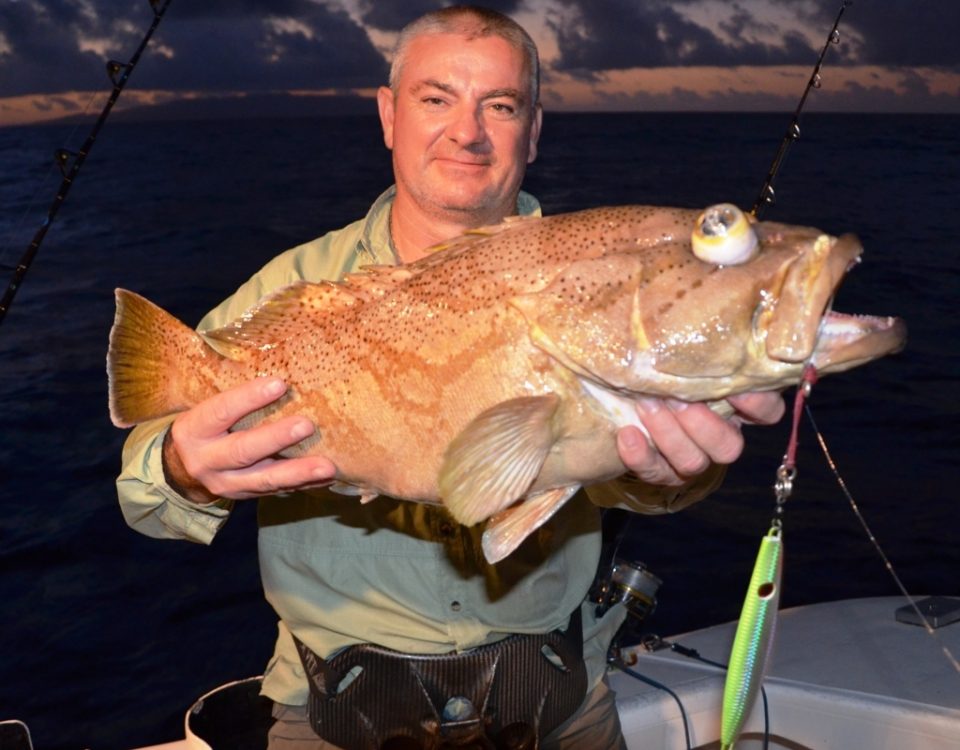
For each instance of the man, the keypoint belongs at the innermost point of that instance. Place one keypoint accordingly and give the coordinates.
(462, 119)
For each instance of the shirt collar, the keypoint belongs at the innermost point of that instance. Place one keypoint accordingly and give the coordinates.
(376, 242)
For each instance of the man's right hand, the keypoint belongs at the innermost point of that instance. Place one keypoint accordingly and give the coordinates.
(205, 462)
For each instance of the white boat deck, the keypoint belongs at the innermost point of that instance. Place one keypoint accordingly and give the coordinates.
(843, 675)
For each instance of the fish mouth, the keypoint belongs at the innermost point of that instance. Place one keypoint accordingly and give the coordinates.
(846, 341)
(805, 328)
(805, 296)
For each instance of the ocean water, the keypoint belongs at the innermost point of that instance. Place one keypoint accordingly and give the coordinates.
(109, 636)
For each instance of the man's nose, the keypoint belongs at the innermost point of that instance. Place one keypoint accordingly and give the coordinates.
(466, 126)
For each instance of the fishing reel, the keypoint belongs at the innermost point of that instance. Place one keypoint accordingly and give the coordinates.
(630, 584)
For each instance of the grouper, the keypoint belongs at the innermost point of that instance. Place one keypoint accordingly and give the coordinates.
(493, 375)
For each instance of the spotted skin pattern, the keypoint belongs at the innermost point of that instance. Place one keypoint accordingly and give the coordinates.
(468, 366)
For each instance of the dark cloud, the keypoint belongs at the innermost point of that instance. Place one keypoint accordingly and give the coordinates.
(44, 53)
(620, 34)
(393, 16)
(623, 34)
(223, 46)
(216, 45)
(225, 9)
(908, 32)
(893, 33)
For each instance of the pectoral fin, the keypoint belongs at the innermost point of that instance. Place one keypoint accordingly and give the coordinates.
(507, 530)
(352, 490)
(495, 459)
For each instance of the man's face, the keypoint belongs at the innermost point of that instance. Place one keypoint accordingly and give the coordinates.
(462, 127)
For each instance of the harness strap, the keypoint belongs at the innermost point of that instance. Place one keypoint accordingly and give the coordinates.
(504, 695)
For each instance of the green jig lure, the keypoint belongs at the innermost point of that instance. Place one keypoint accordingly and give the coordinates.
(754, 638)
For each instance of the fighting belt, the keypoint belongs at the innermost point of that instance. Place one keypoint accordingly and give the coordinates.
(508, 694)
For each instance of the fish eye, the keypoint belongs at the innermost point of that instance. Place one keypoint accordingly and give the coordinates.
(724, 235)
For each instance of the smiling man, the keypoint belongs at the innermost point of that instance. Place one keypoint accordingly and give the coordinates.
(396, 591)
(461, 134)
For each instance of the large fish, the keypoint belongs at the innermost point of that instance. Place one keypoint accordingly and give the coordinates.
(493, 375)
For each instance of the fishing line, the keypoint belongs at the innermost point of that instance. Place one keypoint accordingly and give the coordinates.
(876, 544)
(70, 163)
(653, 643)
(622, 666)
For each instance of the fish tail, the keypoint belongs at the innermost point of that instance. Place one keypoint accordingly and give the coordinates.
(146, 342)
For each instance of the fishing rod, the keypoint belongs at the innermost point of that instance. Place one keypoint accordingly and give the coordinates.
(756, 625)
(767, 196)
(70, 163)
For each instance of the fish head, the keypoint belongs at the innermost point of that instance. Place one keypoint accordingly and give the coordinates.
(653, 316)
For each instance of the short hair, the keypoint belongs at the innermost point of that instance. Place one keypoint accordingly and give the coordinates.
(473, 22)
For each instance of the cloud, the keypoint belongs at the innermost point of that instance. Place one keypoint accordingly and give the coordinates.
(227, 47)
(214, 45)
(393, 16)
(620, 34)
(898, 33)
(908, 32)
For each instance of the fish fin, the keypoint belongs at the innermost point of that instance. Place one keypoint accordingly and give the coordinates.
(373, 282)
(145, 342)
(284, 314)
(352, 490)
(470, 236)
(494, 460)
(507, 530)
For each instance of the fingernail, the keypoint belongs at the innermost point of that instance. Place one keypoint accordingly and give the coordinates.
(676, 405)
(649, 405)
(274, 387)
(300, 430)
(630, 439)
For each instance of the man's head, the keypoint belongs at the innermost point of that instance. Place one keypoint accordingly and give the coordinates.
(461, 114)
(471, 22)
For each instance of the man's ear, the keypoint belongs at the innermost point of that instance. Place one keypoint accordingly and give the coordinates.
(535, 133)
(385, 106)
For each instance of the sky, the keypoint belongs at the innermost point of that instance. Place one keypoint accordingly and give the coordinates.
(597, 55)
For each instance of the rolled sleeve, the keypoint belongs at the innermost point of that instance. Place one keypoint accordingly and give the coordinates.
(149, 504)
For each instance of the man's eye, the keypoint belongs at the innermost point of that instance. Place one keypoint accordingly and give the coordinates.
(434, 101)
(501, 108)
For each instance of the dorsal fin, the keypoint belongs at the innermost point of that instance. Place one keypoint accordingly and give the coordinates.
(280, 315)
(372, 282)
(473, 235)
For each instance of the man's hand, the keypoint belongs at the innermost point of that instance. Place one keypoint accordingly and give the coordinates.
(687, 438)
(204, 461)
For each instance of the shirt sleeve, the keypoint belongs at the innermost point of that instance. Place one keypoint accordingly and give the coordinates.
(149, 504)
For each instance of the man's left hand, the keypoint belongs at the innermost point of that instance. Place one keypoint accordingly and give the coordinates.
(686, 438)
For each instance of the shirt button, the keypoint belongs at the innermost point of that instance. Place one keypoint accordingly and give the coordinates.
(455, 606)
(446, 529)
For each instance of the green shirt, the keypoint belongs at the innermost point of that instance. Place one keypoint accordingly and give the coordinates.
(399, 574)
